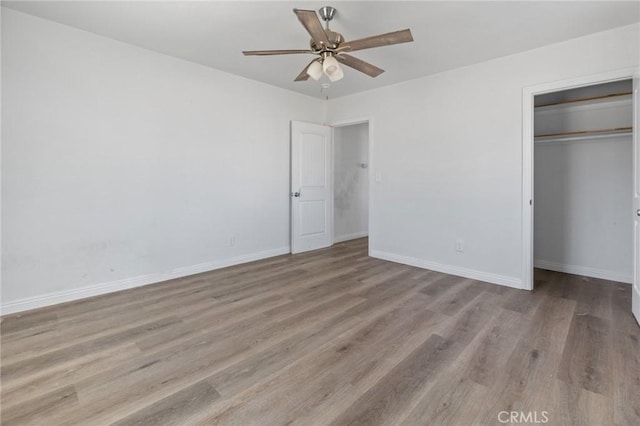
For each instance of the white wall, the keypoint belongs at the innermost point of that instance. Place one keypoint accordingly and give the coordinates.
(351, 181)
(448, 148)
(121, 166)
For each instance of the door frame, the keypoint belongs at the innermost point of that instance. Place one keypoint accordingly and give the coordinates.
(370, 176)
(528, 94)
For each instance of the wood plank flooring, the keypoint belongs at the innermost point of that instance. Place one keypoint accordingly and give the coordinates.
(330, 337)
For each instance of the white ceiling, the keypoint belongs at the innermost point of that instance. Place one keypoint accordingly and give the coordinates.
(447, 34)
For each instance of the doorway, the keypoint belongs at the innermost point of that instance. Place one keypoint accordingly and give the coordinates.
(350, 182)
(312, 183)
(583, 181)
(563, 90)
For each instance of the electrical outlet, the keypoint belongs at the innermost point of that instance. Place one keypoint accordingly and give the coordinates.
(231, 242)
(460, 245)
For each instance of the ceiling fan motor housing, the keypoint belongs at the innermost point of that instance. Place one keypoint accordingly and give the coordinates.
(335, 38)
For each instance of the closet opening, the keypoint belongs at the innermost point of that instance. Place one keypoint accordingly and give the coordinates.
(583, 182)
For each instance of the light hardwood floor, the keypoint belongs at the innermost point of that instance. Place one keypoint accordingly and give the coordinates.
(331, 337)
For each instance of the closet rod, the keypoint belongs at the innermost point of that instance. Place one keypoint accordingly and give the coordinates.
(585, 99)
(587, 132)
(579, 138)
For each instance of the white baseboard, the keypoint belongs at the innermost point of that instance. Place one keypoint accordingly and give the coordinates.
(126, 283)
(584, 271)
(348, 237)
(449, 269)
(635, 303)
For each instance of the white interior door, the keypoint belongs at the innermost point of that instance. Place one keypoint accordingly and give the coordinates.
(635, 297)
(311, 187)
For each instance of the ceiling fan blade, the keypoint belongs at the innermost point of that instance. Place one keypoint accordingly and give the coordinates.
(303, 76)
(311, 23)
(359, 64)
(274, 52)
(402, 36)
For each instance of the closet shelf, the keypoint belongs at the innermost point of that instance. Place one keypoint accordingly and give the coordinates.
(614, 96)
(584, 134)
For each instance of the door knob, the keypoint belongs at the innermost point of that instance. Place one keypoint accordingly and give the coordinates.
(296, 194)
(638, 212)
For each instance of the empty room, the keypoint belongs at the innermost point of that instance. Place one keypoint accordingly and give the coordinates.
(310, 213)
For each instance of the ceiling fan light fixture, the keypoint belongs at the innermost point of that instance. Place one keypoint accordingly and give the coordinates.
(315, 70)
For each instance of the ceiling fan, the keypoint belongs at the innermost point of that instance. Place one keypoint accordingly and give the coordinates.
(330, 47)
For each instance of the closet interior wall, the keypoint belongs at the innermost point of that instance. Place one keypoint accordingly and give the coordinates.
(583, 181)
(351, 182)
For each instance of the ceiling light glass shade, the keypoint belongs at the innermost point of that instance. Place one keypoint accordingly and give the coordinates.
(315, 70)
(337, 75)
(331, 68)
